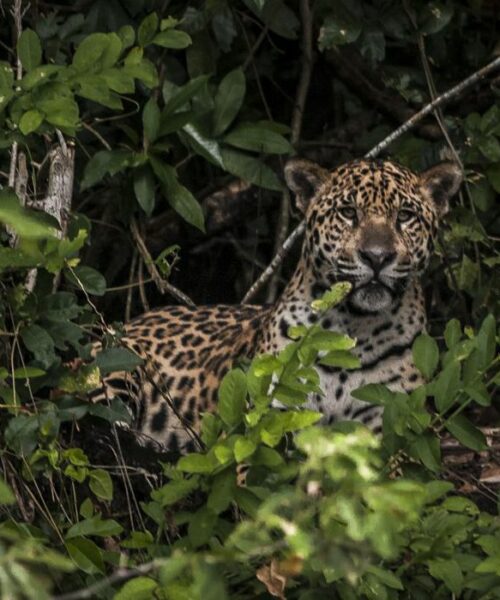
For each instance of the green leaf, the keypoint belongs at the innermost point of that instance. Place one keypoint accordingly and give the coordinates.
(102, 163)
(228, 100)
(243, 448)
(426, 448)
(468, 435)
(490, 148)
(112, 360)
(91, 280)
(342, 359)
(179, 197)
(139, 588)
(341, 28)
(232, 397)
(27, 373)
(26, 223)
(6, 494)
(86, 555)
(374, 393)
(448, 571)
(277, 16)
(144, 188)
(172, 38)
(425, 355)
(257, 138)
(176, 98)
(250, 169)
(101, 484)
(96, 52)
(151, 120)
(386, 577)
(446, 386)
(201, 526)
(202, 145)
(434, 17)
(452, 333)
(21, 434)
(175, 490)
(197, 463)
(30, 121)
(29, 49)
(222, 493)
(147, 29)
(40, 343)
(61, 112)
(94, 526)
(479, 393)
(126, 35)
(486, 342)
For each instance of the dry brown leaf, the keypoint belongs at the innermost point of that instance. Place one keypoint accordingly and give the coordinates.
(273, 579)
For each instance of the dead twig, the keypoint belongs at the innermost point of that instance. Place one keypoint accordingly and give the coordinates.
(406, 126)
(163, 286)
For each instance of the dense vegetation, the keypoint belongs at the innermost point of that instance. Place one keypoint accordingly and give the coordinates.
(174, 119)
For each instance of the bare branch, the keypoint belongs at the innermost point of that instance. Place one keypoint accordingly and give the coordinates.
(409, 124)
(119, 576)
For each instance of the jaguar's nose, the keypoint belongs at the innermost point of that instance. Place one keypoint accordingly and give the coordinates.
(377, 258)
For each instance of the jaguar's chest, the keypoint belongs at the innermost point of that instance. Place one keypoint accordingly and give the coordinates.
(384, 348)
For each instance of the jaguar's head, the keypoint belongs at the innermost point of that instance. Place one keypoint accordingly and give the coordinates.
(372, 223)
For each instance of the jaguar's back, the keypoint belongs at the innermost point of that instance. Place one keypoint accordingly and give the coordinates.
(186, 352)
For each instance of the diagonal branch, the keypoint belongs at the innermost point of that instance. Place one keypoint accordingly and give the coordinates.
(163, 286)
(442, 99)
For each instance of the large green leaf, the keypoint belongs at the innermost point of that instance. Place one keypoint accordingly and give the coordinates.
(117, 359)
(179, 197)
(86, 555)
(228, 100)
(202, 145)
(96, 52)
(425, 355)
(250, 169)
(139, 588)
(26, 223)
(147, 29)
(30, 121)
(465, 432)
(249, 136)
(172, 38)
(232, 397)
(176, 97)
(102, 163)
(151, 120)
(144, 188)
(29, 49)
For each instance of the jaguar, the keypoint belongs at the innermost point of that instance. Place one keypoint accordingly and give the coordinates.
(372, 223)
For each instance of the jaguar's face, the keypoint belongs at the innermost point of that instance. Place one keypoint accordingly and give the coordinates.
(371, 223)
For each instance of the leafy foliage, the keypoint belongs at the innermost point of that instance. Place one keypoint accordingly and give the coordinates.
(167, 105)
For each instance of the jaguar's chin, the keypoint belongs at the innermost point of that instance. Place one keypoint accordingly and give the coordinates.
(373, 297)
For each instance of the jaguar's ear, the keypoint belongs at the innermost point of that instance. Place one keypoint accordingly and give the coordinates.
(440, 183)
(304, 178)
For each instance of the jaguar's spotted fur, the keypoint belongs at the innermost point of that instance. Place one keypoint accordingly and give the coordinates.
(368, 222)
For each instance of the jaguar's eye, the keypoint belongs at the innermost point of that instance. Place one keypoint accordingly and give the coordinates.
(348, 212)
(405, 215)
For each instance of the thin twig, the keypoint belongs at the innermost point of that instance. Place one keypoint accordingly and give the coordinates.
(296, 129)
(163, 286)
(119, 576)
(409, 124)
